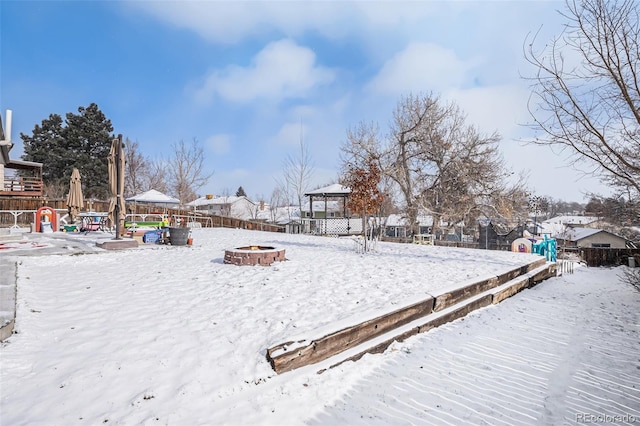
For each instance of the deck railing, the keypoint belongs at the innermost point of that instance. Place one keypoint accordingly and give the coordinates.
(22, 186)
(332, 226)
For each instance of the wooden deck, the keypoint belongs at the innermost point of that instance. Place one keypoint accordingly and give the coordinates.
(22, 187)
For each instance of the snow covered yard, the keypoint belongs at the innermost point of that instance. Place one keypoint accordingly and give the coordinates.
(564, 352)
(171, 335)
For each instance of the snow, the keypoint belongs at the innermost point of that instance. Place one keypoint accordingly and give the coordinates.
(228, 199)
(577, 234)
(557, 226)
(171, 335)
(572, 220)
(333, 189)
(155, 197)
(564, 351)
(399, 220)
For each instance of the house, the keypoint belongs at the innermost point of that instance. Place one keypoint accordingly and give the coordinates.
(228, 206)
(17, 178)
(588, 237)
(557, 225)
(397, 226)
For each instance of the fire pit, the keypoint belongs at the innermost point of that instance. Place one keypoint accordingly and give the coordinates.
(253, 255)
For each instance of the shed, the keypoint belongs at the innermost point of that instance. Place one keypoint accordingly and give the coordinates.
(587, 237)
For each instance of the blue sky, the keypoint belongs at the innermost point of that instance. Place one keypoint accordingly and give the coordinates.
(248, 78)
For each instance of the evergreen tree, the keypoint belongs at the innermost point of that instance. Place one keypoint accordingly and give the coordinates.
(240, 192)
(83, 142)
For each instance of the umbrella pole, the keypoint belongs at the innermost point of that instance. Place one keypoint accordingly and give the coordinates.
(118, 183)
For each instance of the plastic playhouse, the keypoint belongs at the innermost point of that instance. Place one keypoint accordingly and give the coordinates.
(46, 220)
(546, 247)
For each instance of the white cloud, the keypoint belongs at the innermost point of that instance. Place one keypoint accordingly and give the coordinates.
(289, 134)
(219, 144)
(420, 67)
(281, 70)
(233, 21)
(323, 177)
(468, 52)
(494, 108)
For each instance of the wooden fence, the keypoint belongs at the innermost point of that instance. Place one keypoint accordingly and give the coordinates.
(9, 207)
(20, 203)
(597, 256)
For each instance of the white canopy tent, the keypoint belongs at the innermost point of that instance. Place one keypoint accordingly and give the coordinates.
(155, 197)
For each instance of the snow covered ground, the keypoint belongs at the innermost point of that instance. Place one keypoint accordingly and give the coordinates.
(171, 335)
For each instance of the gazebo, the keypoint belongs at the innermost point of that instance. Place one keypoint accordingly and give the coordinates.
(320, 222)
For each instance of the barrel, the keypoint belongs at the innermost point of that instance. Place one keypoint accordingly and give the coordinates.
(179, 236)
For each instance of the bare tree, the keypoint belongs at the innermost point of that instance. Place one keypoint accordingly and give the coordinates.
(186, 170)
(253, 208)
(509, 201)
(277, 200)
(225, 208)
(156, 175)
(586, 91)
(55, 190)
(137, 169)
(297, 173)
(439, 164)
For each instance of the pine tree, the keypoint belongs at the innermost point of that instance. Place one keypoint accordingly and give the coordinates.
(83, 142)
(240, 192)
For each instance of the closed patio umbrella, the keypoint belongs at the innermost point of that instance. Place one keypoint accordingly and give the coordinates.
(116, 185)
(75, 200)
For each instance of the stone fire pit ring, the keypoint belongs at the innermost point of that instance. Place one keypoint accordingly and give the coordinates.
(254, 255)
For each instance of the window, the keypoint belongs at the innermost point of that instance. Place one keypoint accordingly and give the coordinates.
(600, 245)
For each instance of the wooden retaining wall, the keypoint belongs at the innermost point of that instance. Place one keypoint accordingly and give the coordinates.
(8, 273)
(440, 308)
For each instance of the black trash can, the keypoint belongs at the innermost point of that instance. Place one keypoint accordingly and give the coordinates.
(179, 236)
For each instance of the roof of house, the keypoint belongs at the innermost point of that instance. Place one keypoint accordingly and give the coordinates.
(335, 190)
(577, 234)
(5, 147)
(204, 201)
(572, 220)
